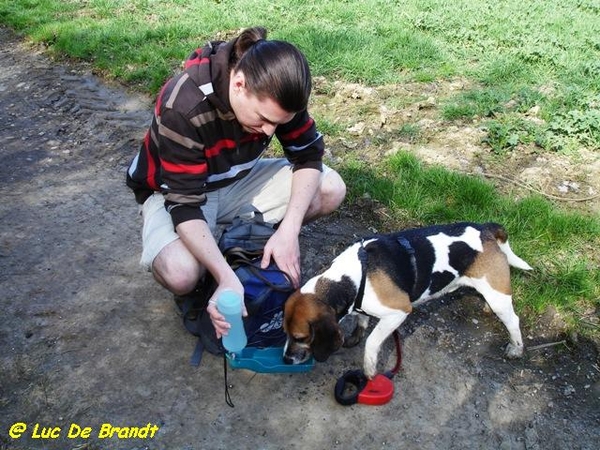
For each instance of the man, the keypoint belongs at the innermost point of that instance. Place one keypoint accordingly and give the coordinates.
(200, 162)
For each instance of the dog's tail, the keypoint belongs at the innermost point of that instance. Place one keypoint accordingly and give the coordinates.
(502, 238)
(513, 259)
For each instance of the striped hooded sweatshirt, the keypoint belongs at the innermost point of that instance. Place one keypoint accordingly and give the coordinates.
(195, 144)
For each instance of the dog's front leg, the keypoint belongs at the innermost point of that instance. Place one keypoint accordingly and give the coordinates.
(380, 333)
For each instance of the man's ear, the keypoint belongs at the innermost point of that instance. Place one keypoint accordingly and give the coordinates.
(238, 80)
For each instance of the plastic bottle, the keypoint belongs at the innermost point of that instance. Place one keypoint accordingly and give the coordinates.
(229, 303)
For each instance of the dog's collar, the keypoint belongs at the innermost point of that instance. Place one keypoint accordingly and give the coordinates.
(362, 257)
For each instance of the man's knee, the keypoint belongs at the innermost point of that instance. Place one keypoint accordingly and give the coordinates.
(332, 192)
(175, 270)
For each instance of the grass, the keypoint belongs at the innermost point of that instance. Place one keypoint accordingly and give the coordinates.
(516, 56)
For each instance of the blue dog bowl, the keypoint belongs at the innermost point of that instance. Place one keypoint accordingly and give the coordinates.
(266, 360)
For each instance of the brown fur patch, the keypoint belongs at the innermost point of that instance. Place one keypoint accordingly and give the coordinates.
(389, 293)
(492, 264)
(501, 235)
(322, 287)
(299, 312)
(295, 322)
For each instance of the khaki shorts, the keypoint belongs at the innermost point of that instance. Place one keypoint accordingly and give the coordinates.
(267, 188)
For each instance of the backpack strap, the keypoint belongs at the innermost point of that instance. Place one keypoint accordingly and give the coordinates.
(196, 357)
(237, 256)
(227, 394)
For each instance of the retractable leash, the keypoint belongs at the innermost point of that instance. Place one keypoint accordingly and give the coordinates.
(354, 387)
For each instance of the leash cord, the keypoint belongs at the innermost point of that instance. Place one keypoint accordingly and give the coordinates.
(227, 395)
(398, 365)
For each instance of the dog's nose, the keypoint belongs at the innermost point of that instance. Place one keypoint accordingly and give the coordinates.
(288, 360)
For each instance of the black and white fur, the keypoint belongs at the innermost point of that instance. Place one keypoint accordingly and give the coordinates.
(402, 270)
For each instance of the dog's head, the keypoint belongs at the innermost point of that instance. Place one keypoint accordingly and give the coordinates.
(311, 329)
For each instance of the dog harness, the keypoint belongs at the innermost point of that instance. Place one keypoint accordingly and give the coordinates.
(363, 257)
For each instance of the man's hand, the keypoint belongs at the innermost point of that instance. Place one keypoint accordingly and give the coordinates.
(284, 248)
(217, 319)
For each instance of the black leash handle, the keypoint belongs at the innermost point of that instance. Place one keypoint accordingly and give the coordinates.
(349, 386)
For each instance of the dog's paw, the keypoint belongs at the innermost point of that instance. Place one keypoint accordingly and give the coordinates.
(513, 351)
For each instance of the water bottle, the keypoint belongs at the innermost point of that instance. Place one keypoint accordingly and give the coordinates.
(229, 303)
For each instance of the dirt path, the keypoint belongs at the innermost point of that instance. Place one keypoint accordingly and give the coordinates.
(88, 339)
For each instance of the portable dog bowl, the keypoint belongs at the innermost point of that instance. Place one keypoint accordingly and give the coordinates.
(266, 360)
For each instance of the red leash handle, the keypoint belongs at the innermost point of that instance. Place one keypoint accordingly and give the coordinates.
(354, 387)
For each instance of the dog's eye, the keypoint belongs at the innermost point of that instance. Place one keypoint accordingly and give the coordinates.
(301, 338)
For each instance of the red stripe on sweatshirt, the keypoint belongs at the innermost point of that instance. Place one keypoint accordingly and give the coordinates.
(221, 145)
(151, 172)
(191, 169)
(160, 98)
(298, 131)
(196, 61)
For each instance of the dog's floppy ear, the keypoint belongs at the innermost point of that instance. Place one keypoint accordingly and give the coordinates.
(326, 337)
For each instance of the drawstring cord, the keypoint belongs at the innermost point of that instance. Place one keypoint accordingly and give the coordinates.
(227, 395)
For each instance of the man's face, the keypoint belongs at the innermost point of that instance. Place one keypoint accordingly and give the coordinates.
(254, 114)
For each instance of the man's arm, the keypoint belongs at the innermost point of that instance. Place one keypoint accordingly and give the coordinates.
(196, 236)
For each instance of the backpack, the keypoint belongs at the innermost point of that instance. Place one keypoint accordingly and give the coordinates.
(265, 290)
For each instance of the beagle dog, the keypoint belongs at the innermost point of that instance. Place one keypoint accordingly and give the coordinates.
(387, 275)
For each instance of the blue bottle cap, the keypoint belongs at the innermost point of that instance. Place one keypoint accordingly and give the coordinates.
(229, 302)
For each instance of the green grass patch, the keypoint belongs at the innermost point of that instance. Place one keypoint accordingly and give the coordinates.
(409, 132)
(505, 47)
(328, 127)
(485, 102)
(509, 131)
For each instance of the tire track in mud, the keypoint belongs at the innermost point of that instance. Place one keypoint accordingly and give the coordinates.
(56, 114)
